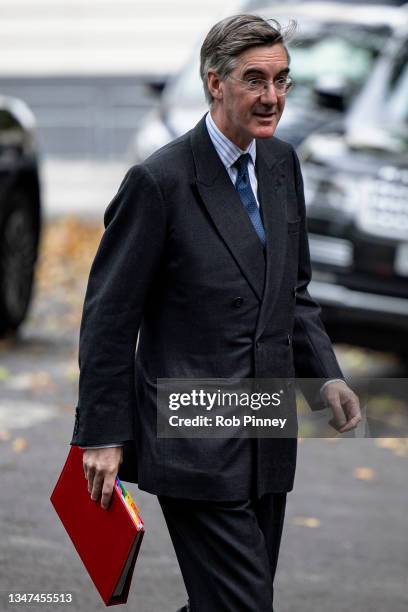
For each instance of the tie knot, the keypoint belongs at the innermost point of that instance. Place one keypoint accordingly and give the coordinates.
(242, 163)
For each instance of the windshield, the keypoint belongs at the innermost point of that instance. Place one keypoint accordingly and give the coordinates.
(335, 53)
(345, 52)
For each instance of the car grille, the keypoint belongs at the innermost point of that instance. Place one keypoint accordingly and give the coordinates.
(383, 209)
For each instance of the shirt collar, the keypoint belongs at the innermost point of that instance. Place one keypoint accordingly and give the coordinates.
(228, 151)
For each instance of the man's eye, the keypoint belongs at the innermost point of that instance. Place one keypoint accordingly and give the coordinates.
(254, 82)
(281, 81)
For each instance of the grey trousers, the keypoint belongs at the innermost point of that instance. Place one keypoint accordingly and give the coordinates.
(227, 551)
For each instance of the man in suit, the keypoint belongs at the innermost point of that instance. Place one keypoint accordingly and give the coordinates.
(204, 265)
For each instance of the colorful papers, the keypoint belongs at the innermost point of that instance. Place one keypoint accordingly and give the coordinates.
(133, 510)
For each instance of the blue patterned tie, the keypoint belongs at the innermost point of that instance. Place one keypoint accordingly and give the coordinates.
(243, 186)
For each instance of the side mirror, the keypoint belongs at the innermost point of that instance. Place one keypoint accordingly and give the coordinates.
(156, 87)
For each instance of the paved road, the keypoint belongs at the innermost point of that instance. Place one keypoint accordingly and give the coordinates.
(345, 542)
(82, 188)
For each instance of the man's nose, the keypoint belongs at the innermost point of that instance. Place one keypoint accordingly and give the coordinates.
(268, 95)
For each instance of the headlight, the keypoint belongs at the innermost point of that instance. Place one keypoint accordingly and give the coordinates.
(326, 188)
(344, 193)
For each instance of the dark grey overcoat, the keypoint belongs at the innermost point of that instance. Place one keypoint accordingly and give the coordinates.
(177, 253)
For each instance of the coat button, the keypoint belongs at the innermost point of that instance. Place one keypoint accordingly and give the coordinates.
(237, 302)
(289, 339)
(258, 344)
(294, 292)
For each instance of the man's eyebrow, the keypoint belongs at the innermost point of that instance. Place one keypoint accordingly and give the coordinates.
(254, 70)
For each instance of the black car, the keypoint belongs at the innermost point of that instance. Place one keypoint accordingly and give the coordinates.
(332, 55)
(20, 211)
(356, 185)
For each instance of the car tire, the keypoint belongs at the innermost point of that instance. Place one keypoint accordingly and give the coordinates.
(18, 254)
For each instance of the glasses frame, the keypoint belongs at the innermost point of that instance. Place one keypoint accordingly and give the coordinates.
(266, 85)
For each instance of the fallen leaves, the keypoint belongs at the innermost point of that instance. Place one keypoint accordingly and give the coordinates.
(72, 371)
(19, 445)
(366, 362)
(306, 521)
(68, 246)
(363, 473)
(399, 446)
(4, 373)
(35, 382)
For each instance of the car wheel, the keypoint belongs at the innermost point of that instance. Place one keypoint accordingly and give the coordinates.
(18, 253)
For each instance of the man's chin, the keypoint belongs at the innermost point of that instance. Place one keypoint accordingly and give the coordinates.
(265, 126)
(265, 131)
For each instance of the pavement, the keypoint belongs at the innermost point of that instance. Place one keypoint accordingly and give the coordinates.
(345, 538)
(80, 187)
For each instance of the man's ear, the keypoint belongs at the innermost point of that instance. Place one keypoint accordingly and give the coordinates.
(215, 85)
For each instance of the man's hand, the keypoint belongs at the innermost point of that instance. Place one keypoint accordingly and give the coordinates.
(344, 404)
(101, 467)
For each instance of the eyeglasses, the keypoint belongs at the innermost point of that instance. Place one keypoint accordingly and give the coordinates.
(259, 86)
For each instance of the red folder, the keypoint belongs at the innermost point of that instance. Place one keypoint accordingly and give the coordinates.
(108, 541)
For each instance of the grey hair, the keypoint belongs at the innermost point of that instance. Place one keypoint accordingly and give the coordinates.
(233, 35)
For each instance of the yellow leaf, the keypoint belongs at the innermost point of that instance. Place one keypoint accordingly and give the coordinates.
(363, 473)
(4, 373)
(72, 372)
(391, 443)
(399, 446)
(306, 521)
(19, 445)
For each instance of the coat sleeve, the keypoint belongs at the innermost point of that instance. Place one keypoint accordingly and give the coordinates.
(121, 275)
(313, 352)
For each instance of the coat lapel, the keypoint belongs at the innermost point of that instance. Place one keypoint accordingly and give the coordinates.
(226, 210)
(271, 174)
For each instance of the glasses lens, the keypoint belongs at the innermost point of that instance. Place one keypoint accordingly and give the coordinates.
(282, 85)
(259, 86)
